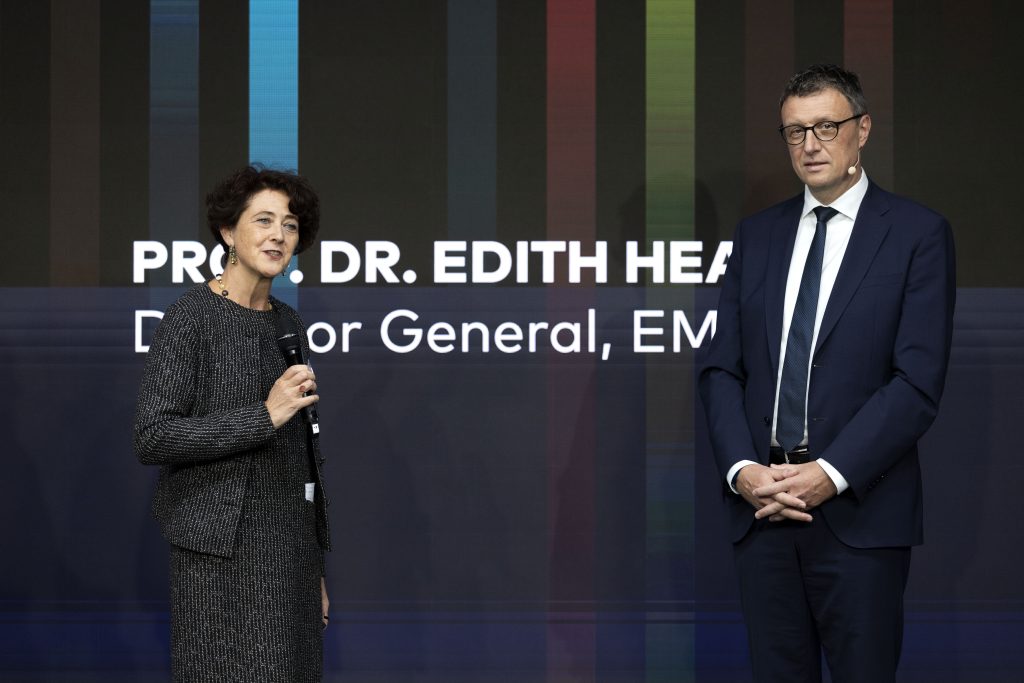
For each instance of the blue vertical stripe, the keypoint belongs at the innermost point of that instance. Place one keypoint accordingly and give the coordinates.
(274, 97)
(173, 123)
(472, 119)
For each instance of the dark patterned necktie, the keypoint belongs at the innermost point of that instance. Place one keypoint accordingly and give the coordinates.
(789, 429)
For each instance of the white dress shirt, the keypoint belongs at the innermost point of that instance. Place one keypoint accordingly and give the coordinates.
(840, 227)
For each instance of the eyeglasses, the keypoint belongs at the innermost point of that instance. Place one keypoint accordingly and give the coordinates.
(825, 131)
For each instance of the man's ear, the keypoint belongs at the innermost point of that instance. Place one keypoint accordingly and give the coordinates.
(864, 129)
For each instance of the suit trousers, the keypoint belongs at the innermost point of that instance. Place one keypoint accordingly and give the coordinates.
(803, 591)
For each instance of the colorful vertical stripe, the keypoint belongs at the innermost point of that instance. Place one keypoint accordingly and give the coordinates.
(274, 82)
(868, 51)
(670, 173)
(571, 428)
(274, 99)
(472, 119)
(768, 64)
(571, 119)
(670, 119)
(173, 123)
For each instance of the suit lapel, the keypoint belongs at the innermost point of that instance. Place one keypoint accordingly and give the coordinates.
(868, 232)
(780, 252)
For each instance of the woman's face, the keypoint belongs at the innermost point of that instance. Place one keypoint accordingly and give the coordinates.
(265, 236)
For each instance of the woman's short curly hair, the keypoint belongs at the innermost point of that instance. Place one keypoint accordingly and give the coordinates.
(229, 199)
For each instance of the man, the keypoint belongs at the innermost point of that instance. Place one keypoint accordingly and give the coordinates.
(833, 338)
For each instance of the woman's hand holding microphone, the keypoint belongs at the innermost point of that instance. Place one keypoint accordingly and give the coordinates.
(294, 390)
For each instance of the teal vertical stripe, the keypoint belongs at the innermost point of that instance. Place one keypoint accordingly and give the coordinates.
(274, 97)
(472, 119)
(274, 82)
(173, 122)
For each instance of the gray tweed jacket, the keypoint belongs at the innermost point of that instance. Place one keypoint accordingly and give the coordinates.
(200, 416)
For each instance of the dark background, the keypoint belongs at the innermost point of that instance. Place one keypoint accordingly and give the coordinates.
(528, 517)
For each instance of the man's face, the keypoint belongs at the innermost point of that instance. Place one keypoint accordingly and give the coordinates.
(823, 166)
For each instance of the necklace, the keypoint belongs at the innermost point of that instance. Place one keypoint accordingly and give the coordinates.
(220, 283)
(224, 290)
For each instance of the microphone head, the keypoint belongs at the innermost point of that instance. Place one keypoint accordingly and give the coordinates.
(851, 170)
(288, 339)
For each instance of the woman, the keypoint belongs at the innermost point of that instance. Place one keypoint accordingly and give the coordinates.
(239, 496)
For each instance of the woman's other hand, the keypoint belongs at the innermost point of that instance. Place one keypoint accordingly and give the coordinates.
(324, 602)
(288, 395)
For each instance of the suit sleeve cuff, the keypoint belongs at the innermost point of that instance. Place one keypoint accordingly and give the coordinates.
(730, 477)
(833, 474)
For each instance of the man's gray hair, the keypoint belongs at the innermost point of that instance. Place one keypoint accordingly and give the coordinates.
(818, 77)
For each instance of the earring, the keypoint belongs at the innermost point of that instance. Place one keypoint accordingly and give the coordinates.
(232, 255)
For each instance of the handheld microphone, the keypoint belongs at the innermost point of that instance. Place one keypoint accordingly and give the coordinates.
(291, 348)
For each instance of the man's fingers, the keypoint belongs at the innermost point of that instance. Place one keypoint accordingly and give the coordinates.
(790, 513)
(789, 500)
(772, 508)
(785, 471)
(777, 511)
(770, 490)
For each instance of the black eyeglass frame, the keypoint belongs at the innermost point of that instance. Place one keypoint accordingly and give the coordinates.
(783, 129)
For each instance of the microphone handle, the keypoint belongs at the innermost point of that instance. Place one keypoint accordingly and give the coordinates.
(309, 414)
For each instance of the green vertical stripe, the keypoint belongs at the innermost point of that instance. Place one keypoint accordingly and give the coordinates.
(671, 57)
(670, 94)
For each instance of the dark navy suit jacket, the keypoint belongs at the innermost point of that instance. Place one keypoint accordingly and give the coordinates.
(878, 366)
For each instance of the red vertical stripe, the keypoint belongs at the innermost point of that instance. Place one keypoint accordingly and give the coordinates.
(867, 40)
(571, 440)
(768, 65)
(571, 119)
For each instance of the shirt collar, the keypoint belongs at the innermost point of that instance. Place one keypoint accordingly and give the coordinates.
(847, 204)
